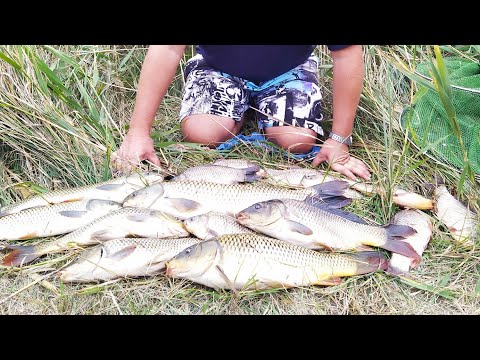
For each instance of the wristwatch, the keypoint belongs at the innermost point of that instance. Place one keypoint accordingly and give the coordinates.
(342, 140)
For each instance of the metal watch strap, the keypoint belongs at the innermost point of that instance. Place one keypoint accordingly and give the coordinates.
(343, 140)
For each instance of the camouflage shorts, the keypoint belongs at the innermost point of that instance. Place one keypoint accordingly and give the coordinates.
(293, 98)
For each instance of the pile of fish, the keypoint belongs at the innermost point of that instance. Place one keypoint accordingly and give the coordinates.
(231, 224)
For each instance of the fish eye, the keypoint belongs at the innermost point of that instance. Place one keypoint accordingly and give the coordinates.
(187, 251)
(257, 206)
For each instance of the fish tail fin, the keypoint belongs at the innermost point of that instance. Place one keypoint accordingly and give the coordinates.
(20, 256)
(436, 181)
(369, 261)
(252, 178)
(396, 236)
(251, 174)
(392, 270)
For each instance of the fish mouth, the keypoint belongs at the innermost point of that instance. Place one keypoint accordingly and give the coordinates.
(241, 216)
(262, 173)
(63, 275)
(170, 269)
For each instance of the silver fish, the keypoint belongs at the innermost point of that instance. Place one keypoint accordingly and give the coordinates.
(125, 222)
(304, 177)
(53, 220)
(461, 222)
(127, 257)
(400, 264)
(219, 174)
(116, 189)
(321, 227)
(184, 199)
(252, 261)
(298, 177)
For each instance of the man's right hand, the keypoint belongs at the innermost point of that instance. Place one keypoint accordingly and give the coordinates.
(136, 147)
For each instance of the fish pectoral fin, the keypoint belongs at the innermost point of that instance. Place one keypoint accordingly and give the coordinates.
(73, 213)
(300, 228)
(185, 205)
(131, 235)
(137, 217)
(213, 233)
(109, 187)
(121, 254)
(73, 200)
(329, 281)
(103, 235)
(325, 247)
(227, 280)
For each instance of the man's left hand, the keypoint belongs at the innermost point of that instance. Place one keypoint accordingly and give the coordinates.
(337, 155)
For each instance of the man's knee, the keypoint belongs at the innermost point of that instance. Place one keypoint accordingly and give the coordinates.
(294, 139)
(209, 129)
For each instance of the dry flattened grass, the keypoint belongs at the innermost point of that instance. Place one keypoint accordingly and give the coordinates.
(56, 137)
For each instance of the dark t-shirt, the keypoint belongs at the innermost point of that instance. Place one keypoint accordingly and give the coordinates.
(257, 63)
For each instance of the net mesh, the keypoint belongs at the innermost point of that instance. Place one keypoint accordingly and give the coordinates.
(427, 121)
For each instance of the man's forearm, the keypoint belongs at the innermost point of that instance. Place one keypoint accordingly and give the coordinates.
(156, 75)
(348, 75)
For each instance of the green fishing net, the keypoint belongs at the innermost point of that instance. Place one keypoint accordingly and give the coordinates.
(428, 124)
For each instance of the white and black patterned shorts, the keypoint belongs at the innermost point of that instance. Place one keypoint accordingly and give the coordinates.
(293, 98)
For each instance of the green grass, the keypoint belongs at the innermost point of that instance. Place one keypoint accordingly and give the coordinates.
(64, 108)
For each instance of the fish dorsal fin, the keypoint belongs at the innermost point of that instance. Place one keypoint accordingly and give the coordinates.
(333, 188)
(109, 187)
(298, 227)
(343, 214)
(332, 201)
(73, 213)
(121, 254)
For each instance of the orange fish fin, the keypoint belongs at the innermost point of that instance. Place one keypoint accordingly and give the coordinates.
(31, 235)
(325, 247)
(21, 256)
(73, 200)
(330, 281)
(364, 248)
